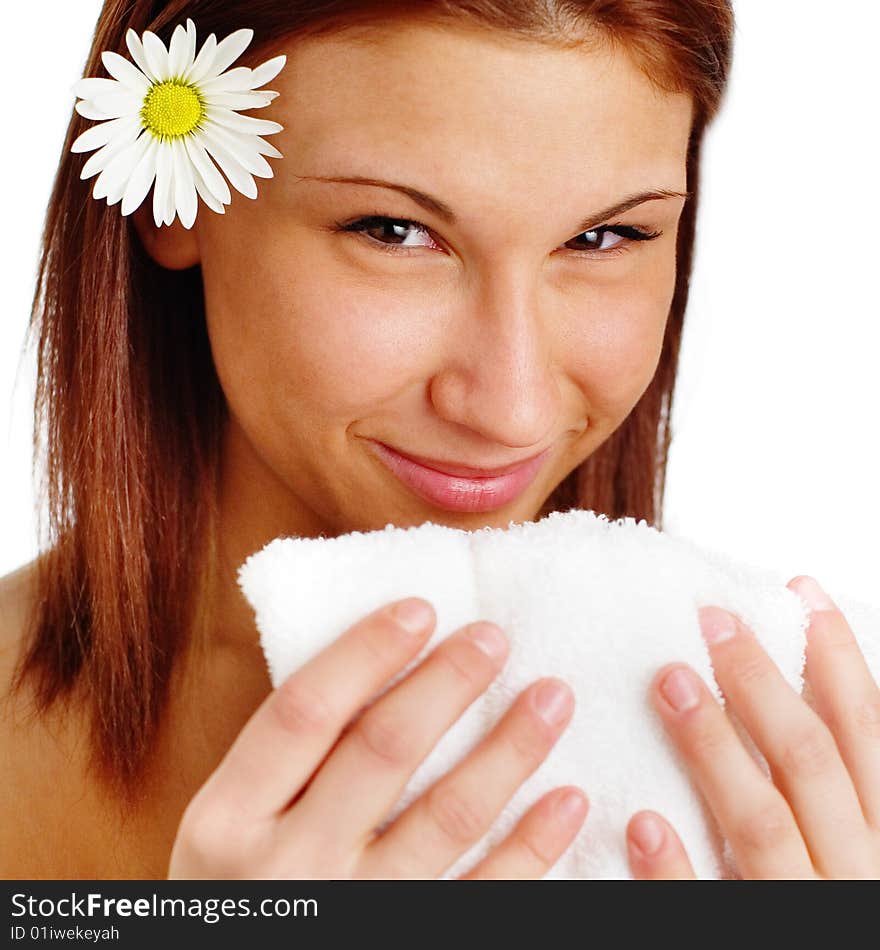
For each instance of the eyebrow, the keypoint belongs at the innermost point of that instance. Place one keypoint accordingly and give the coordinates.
(443, 211)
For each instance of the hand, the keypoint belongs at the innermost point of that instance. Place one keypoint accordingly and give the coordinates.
(299, 796)
(819, 818)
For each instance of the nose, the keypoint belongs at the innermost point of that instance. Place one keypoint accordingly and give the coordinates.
(499, 377)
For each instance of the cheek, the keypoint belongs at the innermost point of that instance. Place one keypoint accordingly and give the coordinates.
(292, 344)
(621, 338)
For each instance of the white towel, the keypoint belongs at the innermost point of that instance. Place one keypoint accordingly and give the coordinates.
(602, 604)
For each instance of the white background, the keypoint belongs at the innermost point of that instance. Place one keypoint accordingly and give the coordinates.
(775, 452)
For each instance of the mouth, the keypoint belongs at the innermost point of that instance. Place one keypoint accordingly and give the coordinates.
(459, 487)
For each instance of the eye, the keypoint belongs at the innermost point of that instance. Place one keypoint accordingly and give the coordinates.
(595, 240)
(390, 233)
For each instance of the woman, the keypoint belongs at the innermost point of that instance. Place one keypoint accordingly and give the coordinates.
(475, 251)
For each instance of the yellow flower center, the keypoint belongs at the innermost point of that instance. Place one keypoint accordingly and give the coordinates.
(172, 109)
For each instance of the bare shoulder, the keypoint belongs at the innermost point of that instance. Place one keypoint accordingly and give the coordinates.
(35, 788)
(15, 590)
(17, 729)
(17, 594)
(55, 820)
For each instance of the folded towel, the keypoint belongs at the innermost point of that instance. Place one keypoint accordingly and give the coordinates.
(601, 604)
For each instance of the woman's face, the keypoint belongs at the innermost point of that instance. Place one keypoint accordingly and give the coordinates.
(492, 321)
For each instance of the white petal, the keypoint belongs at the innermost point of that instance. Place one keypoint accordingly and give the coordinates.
(122, 177)
(207, 170)
(184, 186)
(240, 147)
(243, 123)
(115, 176)
(163, 182)
(86, 108)
(239, 178)
(99, 135)
(203, 61)
(190, 45)
(229, 50)
(178, 51)
(141, 178)
(266, 97)
(236, 80)
(170, 207)
(130, 76)
(237, 100)
(116, 104)
(268, 71)
(99, 161)
(205, 193)
(157, 56)
(136, 48)
(266, 148)
(92, 88)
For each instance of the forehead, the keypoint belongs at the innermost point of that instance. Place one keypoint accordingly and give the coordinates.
(479, 109)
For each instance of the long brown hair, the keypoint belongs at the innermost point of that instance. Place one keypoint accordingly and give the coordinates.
(129, 413)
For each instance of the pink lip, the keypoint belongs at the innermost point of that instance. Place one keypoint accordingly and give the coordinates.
(459, 492)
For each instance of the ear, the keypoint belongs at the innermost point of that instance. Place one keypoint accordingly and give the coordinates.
(174, 247)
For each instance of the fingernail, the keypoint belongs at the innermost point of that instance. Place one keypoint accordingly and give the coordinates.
(646, 833)
(716, 624)
(552, 701)
(413, 614)
(569, 808)
(812, 594)
(680, 690)
(489, 639)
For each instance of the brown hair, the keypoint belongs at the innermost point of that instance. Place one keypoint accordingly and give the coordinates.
(129, 409)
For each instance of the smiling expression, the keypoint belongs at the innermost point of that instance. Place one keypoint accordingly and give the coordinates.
(467, 253)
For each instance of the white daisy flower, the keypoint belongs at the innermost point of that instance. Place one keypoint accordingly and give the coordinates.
(165, 119)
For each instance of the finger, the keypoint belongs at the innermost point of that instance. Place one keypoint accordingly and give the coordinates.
(290, 732)
(655, 850)
(458, 809)
(752, 814)
(365, 774)
(845, 693)
(804, 760)
(537, 841)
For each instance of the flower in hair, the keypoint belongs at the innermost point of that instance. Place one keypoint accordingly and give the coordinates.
(169, 116)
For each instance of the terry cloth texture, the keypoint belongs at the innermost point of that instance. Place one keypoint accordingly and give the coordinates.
(601, 604)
